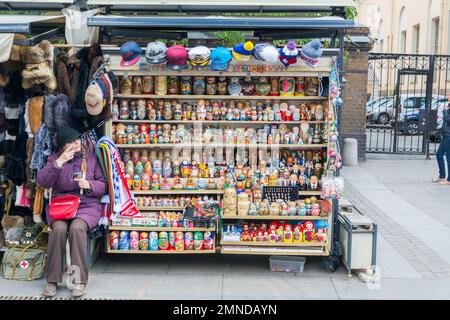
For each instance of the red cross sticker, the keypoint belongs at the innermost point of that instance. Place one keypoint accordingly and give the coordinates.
(24, 264)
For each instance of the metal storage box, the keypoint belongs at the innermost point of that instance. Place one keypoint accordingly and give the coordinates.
(358, 237)
(287, 264)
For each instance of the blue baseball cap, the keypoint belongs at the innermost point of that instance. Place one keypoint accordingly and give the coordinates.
(220, 57)
(130, 52)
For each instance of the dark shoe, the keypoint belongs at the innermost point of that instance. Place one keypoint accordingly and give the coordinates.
(50, 290)
(79, 290)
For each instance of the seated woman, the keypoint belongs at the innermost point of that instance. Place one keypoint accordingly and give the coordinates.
(62, 174)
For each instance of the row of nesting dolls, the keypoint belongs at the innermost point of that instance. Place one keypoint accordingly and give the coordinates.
(169, 167)
(154, 241)
(166, 133)
(307, 231)
(201, 110)
(201, 85)
(170, 201)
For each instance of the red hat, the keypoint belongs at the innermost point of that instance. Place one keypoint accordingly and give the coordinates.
(177, 57)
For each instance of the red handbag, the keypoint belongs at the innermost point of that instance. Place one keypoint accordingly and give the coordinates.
(64, 207)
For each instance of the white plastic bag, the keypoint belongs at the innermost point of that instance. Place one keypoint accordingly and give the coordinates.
(77, 31)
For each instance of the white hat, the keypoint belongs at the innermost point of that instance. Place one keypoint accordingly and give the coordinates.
(266, 52)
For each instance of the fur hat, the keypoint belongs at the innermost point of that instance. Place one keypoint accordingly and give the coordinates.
(56, 111)
(38, 74)
(43, 52)
(39, 66)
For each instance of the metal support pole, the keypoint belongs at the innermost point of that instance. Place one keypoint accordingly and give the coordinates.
(428, 101)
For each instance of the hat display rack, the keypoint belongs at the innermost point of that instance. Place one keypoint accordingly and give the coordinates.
(239, 197)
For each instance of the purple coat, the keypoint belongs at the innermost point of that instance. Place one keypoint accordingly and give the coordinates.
(61, 180)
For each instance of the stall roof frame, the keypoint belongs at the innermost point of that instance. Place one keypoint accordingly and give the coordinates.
(223, 6)
(221, 22)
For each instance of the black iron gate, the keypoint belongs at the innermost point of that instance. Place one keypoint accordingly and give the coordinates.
(406, 96)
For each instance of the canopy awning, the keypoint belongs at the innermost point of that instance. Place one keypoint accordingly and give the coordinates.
(29, 24)
(221, 22)
(36, 4)
(223, 6)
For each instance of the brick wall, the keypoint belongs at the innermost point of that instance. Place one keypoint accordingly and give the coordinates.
(353, 114)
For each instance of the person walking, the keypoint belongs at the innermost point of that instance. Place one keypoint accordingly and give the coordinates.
(444, 147)
(73, 170)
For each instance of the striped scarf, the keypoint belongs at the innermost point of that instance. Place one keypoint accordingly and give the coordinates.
(120, 195)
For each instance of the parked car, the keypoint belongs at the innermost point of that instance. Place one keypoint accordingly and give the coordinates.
(380, 110)
(409, 120)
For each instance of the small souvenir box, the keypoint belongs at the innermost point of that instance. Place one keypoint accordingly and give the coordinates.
(122, 222)
(145, 222)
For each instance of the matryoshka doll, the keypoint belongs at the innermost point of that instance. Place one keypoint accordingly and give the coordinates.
(124, 241)
(124, 112)
(315, 210)
(211, 86)
(263, 87)
(248, 88)
(287, 86)
(199, 85)
(148, 85)
(163, 241)
(114, 240)
(141, 110)
(137, 183)
(115, 110)
(179, 241)
(297, 236)
(274, 87)
(171, 240)
(146, 184)
(222, 86)
(198, 241)
(279, 232)
(208, 240)
(308, 231)
(161, 85)
(153, 241)
(186, 85)
(287, 234)
(155, 181)
(134, 240)
(188, 241)
(143, 241)
(300, 86)
(173, 85)
(273, 227)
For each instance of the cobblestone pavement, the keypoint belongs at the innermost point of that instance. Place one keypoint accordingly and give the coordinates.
(387, 181)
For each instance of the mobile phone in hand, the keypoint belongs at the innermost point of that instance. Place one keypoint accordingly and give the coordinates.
(77, 176)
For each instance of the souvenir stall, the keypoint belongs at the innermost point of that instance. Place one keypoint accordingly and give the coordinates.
(230, 150)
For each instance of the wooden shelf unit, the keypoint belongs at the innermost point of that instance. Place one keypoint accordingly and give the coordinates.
(304, 249)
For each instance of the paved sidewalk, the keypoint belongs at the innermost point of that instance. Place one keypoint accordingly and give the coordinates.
(413, 216)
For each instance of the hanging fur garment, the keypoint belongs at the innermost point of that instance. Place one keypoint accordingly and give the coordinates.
(81, 120)
(67, 74)
(38, 204)
(33, 115)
